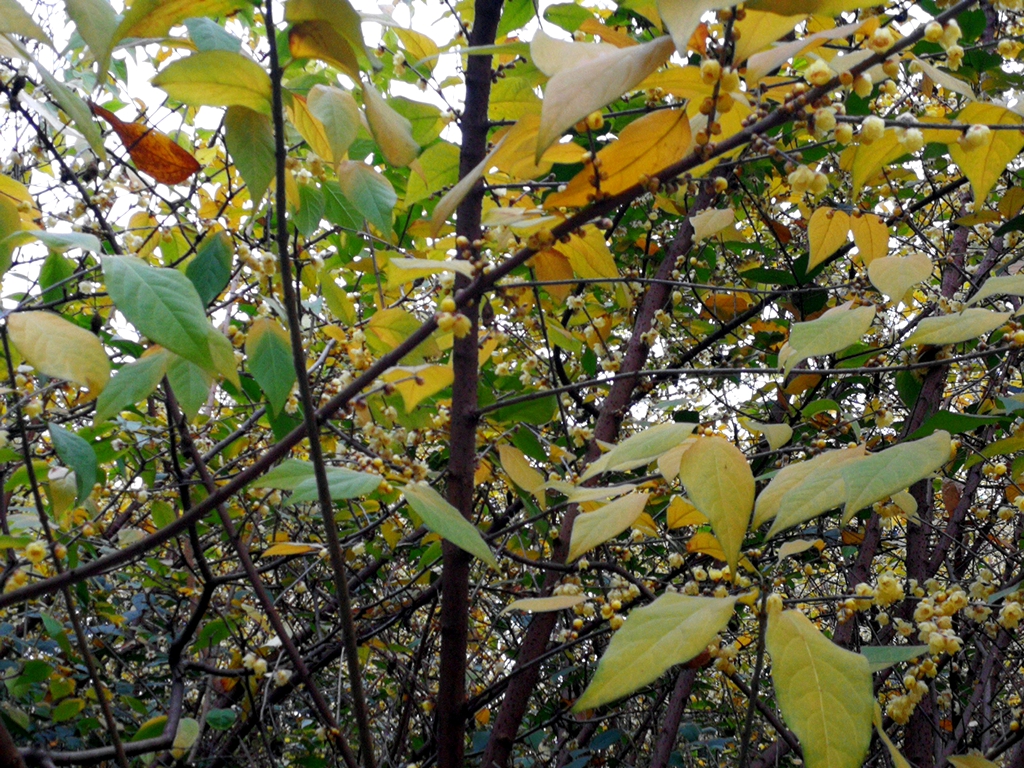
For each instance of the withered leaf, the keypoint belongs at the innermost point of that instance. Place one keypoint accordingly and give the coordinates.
(153, 152)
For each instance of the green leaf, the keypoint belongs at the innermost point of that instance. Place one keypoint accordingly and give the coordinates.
(998, 448)
(342, 484)
(795, 475)
(591, 529)
(952, 329)
(370, 193)
(162, 513)
(190, 384)
(884, 656)
(435, 169)
(132, 384)
(954, 423)
(835, 330)
(269, 351)
(15, 19)
(77, 454)
(568, 16)
(188, 732)
(286, 476)
(447, 522)
(96, 21)
(162, 304)
(57, 241)
(249, 137)
(217, 79)
(720, 485)
(221, 719)
(208, 35)
(311, 209)
(824, 692)
(66, 710)
(672, 630)
(210, 270)
(338, 210)
(640, 449)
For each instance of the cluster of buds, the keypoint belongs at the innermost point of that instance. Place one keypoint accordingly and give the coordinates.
(947, 36)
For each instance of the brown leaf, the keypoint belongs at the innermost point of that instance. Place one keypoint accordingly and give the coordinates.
(153, 152)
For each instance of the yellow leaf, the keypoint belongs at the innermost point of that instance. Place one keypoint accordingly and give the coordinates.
(519, 470)
(550, 265)
(777, 435)
(680, 513)
(668, 462)
(217, 79)
(759, 29)
(826, 234)
(681, 82)
(417, 44)
(1010, 203)
(952, 329)
(589, 255)
(646, 525)
(706, 544)
(864, 161)
(291, 548)
(720, 484)
(871, 236)
(895, 275)
(824, 692)
(318, 39)
(545, 604)
(447, 204)
(760, 64)
(401, 271)
(672, 630)
(572, 94)
(591, 529)
(391, 131)
(609, 35)
(898, 760)
(644, 147)
(417, 384)
(17, 193)
(60, 349)
(792, 548)
(984, 165)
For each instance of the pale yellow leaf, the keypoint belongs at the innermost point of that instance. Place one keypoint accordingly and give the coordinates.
(710, 222)
(646, 525)
(952, 329)
(291, 548)
(544, 604)
(970, 761)
(668, 462)
(644, 147)
(640, 449)
(447, 204)
(834, 331)
(60, 349)
(579, 495)
(591, 529)
(681, 513)
(551, 55)
(672, 630)
(824, 692)
(402, 270)
(826, 234)
(682, 17)
(946, 80)
(777, 435)
(871, 236)
(760, 64)
(793, 475)
(985, 164)
(719, 483)
(391, 131)
(895, 275)
(796, 547)
(419, 45)
(1005, 285)
(574, 93)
